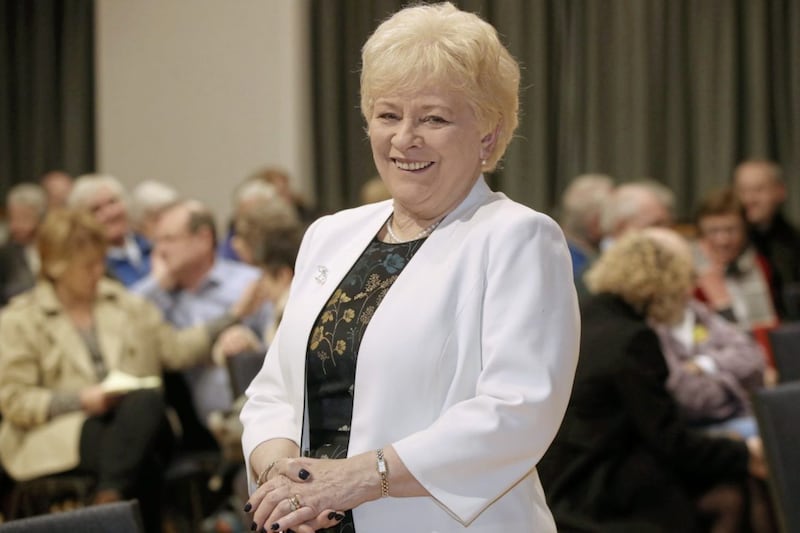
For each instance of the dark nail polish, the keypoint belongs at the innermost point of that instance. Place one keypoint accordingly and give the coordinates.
(275, 527)
(303, 474)
(253, 526)
(331, 515)
(247, 507)
(338, 516)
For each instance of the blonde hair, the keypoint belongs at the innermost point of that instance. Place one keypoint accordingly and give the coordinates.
(438, 44)
(64, 235)
(650, 270)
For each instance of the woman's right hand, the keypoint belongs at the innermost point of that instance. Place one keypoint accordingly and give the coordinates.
(96, 401)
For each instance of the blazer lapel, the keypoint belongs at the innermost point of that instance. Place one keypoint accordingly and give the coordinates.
(64, 334)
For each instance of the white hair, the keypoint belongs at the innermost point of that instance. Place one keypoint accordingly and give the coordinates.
(86, 187)
(584, 199)
(149, 197)
(29, 195)
(626, 201)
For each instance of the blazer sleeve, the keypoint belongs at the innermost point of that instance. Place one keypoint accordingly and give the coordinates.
(481, 447)
(23, 400)
(176, 348)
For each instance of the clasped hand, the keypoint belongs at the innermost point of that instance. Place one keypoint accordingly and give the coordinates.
(301, 494)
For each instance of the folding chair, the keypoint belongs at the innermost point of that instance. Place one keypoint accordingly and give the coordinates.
(778, 413)
(785, 343)
(120, 517)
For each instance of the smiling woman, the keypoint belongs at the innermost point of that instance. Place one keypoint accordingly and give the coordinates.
(416, 384)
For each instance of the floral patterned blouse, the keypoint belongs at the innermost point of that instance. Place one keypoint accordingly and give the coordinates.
(335, 340)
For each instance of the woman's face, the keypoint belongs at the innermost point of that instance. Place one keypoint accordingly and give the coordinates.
(428, 148)
(82, 274)
(724, 236)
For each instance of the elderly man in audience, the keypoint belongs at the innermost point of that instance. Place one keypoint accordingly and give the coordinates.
(636, 205)
(128, 256)
(581, 208)
(762, 191)
(250, 193)
(732, 277)
(26, 204)
(190, 285)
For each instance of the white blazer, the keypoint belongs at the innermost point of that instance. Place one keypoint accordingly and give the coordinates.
(465, 368)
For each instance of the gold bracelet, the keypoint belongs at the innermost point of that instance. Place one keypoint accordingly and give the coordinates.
(383, 471)
(262, 477)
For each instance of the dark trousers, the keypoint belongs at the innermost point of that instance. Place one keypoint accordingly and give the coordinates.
(127, 450)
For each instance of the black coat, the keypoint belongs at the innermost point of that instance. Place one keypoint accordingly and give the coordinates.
(623, 459)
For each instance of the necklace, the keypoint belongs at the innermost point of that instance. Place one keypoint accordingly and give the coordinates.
(394, 239)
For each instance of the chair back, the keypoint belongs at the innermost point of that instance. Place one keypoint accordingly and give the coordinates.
(785, 343)
(119, 517)
(242, 368)
(778, 413)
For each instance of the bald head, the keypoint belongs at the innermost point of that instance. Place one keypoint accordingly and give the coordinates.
(760, 187)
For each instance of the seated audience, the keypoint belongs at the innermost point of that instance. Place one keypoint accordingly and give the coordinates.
(57, 185)
(732, 278)
(61, 340)
(26, 204)
(191, 285)
(623, 459)
(762, 191)
(148, 199)
(128, 256)
(581, 209)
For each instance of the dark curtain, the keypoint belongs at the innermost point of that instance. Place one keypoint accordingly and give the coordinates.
(674, 90)
(47, 88)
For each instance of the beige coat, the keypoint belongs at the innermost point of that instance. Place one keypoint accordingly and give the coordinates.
(42, 352)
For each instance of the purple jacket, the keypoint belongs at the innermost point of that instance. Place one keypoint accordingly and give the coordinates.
(733, 367)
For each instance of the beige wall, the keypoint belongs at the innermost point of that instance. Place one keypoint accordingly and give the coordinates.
(199, 93)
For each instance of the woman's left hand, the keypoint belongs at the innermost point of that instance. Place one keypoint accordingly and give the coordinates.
(320, 489)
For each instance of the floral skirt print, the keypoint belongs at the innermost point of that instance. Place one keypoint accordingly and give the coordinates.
(333, 349)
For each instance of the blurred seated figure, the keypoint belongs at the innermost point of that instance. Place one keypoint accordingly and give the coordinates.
(732, 277)
(633, 206)
(247, 195)
(190, 284)
(623, 459)
(148, 199)
(267, 237)
(62, 342)
(581, 210)
(713, 369)
(57, 185)
(280, 179)
(128, 256)
(761, 189)
(26, 205)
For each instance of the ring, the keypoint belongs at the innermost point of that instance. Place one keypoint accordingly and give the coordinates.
(294, 503)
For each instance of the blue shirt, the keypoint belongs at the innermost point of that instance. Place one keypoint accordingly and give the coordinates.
(131, 262)
(224, 285)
